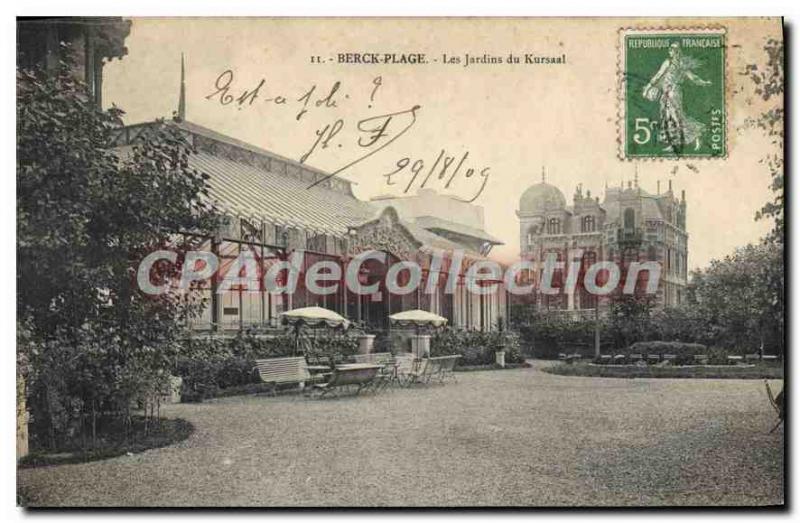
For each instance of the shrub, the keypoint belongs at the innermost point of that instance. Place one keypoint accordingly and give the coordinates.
(213, 364)
(685, 352)
(476, 347)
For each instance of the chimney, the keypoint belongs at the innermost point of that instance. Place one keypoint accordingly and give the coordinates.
(658, 187)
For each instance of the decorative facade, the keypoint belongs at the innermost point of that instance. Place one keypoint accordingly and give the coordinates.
(628, 225)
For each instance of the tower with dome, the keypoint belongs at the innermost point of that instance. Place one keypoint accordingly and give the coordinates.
(629, 224)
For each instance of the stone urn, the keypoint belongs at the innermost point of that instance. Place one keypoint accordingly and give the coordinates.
(500, 356)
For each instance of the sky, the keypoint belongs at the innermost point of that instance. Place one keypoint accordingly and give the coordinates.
(511, 120)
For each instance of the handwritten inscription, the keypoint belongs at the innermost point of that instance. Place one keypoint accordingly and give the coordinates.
(440, 171)
(373, 133)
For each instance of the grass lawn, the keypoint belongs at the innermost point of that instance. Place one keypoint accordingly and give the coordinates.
(516, 437)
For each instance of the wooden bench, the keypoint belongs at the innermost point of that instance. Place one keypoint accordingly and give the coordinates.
(653, 358)
(636, 357)
(605, 359)
(619, 358)
(377, 358)
(670, 358)
(361, 375)
(278, 371)
(385, 360)
(702, 359)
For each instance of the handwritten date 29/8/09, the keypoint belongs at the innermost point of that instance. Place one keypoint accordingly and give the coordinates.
(374, 133)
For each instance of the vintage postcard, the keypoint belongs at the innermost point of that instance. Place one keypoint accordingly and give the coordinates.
(400, 262)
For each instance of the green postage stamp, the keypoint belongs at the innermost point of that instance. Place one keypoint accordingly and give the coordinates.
(672, 93)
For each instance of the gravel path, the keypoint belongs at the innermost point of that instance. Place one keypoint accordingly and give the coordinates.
(516, 437)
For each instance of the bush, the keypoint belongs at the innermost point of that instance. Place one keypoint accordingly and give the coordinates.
(685, 352)
(476, 347)
(657, 371)
(214, 364)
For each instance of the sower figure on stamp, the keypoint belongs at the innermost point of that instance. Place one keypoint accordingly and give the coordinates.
(677, 128)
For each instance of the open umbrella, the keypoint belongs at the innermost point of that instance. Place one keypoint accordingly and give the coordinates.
(312, 317)
(418, 318)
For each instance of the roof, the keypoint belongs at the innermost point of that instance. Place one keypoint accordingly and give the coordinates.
(649, 205)
(254, 191)
(219, 137)
(542, 197)
(245, 190)
(432, 222)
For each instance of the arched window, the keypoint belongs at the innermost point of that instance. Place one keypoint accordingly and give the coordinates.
(588, 224)
(629, 219)
(554, 226)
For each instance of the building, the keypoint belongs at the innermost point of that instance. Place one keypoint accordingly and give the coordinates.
(628, 225)
(271, 211)
(91, 41)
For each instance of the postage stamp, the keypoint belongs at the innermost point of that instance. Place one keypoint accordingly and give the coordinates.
(672, 93)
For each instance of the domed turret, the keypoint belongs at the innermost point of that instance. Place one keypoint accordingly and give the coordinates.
(540, 198)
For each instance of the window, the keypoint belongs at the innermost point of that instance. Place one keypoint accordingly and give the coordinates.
(588, 224)
(554, 226)
(532, 233)
(629, 219)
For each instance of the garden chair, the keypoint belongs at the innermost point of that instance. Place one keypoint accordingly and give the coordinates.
(446, 367)
(777, 404)
(359, 375)
(278, 371)
(423, 371)
(406, 363)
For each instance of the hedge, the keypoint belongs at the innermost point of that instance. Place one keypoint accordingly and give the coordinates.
(214, 364)
(476, 347)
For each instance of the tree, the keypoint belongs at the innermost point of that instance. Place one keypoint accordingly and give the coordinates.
(735, 302)
(86, 213)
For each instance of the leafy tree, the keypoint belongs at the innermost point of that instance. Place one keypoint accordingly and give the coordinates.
(735, 303)
(86, 214)
(768, 84)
